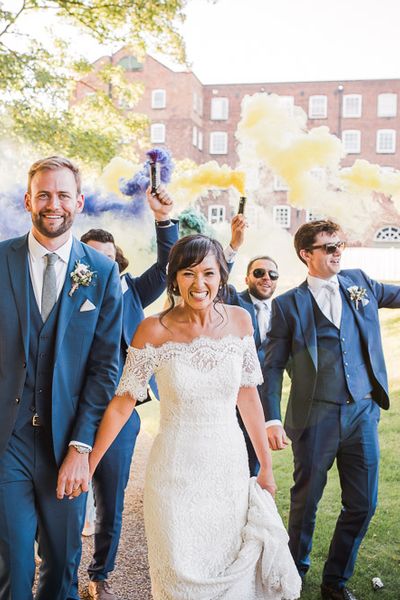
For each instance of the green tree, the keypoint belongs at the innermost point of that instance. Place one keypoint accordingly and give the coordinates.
(39, 69)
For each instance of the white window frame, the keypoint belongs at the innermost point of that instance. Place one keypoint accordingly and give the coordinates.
(157, 133)
(219, 109)
(312, 215)
(194, 136)
(281, 215)
(200, 140)
(216, 145)
(388, 233)
(158, 99)
(387, 105)
(380, 149)
(313, 112)
(354, 146)
(218, 218)
(351, 113)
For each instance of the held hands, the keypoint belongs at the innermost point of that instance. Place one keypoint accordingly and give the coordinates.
(160, 203)
(73, 476)
(277, 437)
(238, 226)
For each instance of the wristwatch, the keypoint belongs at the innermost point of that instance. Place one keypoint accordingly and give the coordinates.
(165, 223)
(81, 448)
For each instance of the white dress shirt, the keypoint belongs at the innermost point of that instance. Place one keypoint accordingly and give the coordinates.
(38, 262)
(327, 296)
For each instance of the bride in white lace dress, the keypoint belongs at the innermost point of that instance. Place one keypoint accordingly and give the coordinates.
(213, 533)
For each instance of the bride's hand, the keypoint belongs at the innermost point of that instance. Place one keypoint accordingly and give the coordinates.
(265, 479)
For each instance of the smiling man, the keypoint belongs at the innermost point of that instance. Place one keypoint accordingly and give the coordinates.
(60, 322)
(328, 329)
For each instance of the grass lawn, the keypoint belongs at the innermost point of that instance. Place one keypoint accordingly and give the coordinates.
(379, 555)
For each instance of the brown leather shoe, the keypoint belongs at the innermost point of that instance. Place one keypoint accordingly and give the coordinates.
(329, 593)
(101, 590)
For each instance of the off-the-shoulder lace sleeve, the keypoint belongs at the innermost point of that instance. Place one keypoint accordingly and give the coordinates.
(139, 366)
(251, 370)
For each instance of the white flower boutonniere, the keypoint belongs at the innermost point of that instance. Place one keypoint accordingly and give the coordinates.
(357, 295)
(81, 275)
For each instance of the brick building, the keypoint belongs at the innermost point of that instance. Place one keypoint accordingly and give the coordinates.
(199, 121)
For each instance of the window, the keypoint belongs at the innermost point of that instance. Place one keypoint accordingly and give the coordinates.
(130, 63)
(218, 142)
(194, 136)
(288, 103)
(198, 103)
(280, 184)
(219, 109)
(352, 104)
(157, 133)
(386, 141)
(313, 215)
(387, 105)
(318, 107)
(158, 99)
(281, 216)
(388, 234)
(216, 214)
(200, 140)
(352, 141)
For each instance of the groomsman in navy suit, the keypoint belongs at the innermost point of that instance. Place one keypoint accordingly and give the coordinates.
(328, 328)
(261, 280)
(112, 475)
(60, 321)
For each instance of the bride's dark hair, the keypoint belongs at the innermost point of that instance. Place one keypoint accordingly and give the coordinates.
(190, 251)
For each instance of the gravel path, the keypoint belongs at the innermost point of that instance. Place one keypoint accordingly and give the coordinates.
(130, 579)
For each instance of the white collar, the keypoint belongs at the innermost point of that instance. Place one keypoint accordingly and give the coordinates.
(255, 300)
(37, 251)
(316, 283)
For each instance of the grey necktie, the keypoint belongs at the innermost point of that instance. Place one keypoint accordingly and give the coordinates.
(332, 305)
(49, 291)
(263, 318)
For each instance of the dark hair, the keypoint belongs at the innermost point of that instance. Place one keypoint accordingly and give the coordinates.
(305, 236)
(190, 251)
(105, 237)
(253, 260)
(53, 163)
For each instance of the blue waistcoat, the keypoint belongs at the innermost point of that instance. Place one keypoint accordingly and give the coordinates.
(342, 373)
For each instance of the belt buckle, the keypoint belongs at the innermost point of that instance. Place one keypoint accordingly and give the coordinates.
(36, 421)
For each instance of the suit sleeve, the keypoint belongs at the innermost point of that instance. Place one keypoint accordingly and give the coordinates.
(277, 346)
(151, 284)
(102, 365)
(387, 295)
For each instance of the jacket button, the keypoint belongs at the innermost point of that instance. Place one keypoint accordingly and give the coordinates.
(24, 365)
(17, 400)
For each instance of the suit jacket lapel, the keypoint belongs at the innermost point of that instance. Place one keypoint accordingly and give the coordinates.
(19, 277)
(67, 303)
(345, 282)
(248, 305)
(306, 318)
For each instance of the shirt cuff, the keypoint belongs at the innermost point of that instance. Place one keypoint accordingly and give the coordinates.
(230, 254)
(80, 444)
(273, 422)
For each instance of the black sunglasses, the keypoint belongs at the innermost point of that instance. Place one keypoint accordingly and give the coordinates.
(273, 275)
(330, 248)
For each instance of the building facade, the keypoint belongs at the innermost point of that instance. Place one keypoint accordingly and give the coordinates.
(198, 122)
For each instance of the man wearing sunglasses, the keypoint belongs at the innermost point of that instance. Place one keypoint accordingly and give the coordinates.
(328, 328)
(261, 280)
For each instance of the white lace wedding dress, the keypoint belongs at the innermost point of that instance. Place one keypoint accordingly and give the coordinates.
(212, 532)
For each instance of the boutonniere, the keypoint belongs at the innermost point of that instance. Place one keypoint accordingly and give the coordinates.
(357, 295)
(81, 275)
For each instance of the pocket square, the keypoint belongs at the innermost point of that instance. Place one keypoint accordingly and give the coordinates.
(87, 305)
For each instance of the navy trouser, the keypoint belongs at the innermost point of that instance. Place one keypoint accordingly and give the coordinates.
(349, 434)
(29, 509)
(109, 482)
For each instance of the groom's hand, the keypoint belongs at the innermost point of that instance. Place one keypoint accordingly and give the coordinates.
(73, 476)
(277, 437)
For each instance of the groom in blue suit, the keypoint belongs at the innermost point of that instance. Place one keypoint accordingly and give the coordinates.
(60, 320)
(327, 332)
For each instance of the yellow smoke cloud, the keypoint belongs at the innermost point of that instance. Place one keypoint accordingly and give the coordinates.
(112, 173)
(195, 182)
(366, 176)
